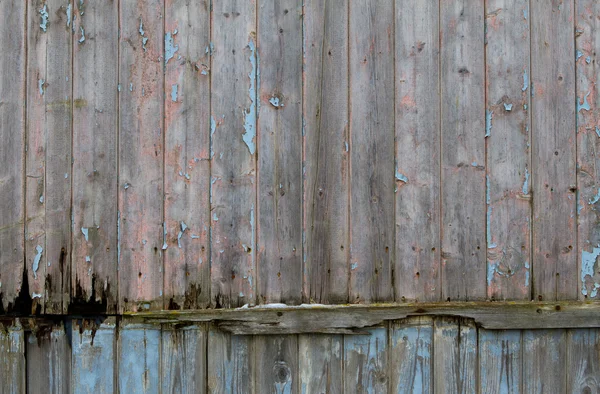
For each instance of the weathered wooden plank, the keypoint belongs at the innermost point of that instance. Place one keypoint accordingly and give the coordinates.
(139, 359)
(583, 361)
(454, 356)
(320, 363)
(141, 154)
(544, 361)
(230, 366)
(184, 359)
(279, 214)
(463, 143)
(500, 361)
(234, 80)
(508, 164)
(326, 157)
(49, 361)
(366, 362)
(93, 360)
(48, 158)
(12, 360)
(411, 350)
(277, 364)
(553, 151)
(417, 262)
(95, 110)
(187, 166)
(588, 147)
(12, 149)
(372, 232)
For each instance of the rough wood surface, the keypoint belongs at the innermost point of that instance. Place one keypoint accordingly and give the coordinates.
(326, 242)
(500, 361)
(183, 359)
(234, 101)
(417, 263)
(508, 164)
(49, 361)
(279, 180)
(544, 361)
(366, 362)
(320, 363)
(12, 360)
(187, 156)
(230, 367)
(371, 145)
(463, 143)
(277, 364)
(139, 359)
(553, 150)
(583, 361)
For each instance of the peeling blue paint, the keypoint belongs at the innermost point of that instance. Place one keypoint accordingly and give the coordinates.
(41, 199)
(131, 87)
(118, 238)
(525, 13)
(525, 81)
(474, 164)
(488, 122)
(119, 87)
(595, 199)
(588, 262)
(69, 14)
(490, 244)
(170, 47)
(527, 273)
(88, 259)
(275, 102)
(44, 14)
(401, 177)
(250, 113)
(526, 183)
(213, 125)
(487, 190)
(183, 228)
(82, 39)
(174, 93)
(36, 260)
(215, 217)
(41, 86)
(598, 131)
(508, 107)
(165, 246)
(143, 34)
(585, 104)
(578, 54)
(588, 60)
(85, 232)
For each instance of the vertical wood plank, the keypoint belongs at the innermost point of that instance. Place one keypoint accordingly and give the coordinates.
(544, 361)
(366, 362)
(48, 192)
(49, 361)
(500, 361)
(326, 155)
(372, 231)
(463, 143)
(93, 360)
(454, 356)
(508, 165)
(320, 363)
(139, 359)
(230, 367)
(277, 364)
(588, 147)
(184, 360)
(553, 150)
(12, 359)
(279, 180)
(583, 361)
(12, 149)
(411, 350)
(141, 153)
(95, 91)
(234, 83)
(187, 167)
(417, 262)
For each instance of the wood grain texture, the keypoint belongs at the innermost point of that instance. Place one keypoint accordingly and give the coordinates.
(544, 361)
(320, 363)
(187, 166)
(463, 143)
(454, 356)
(49, 361)
(372, 234)
(326, 153)
(184, 360)
(417, 262)
(500, 361)
(508, 164)
(583, 361)
(95, 110)
(277, 364)
(366, 362)
(279, 180)
(411, 350)
(588, 148)
(12, 360)
(141, 155)
(553, 150)
(234, 80)
(230, 366)
(139, 359)
(12, 149)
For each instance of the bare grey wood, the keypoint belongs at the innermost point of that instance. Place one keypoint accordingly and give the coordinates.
(12, 149)
(544, 361)
(320, 363)
(463, 143)
(12, 360)
(95, 111)
(230, 365)
(279, 193)
(508, 164)
(276, 364)
(326, 168)
(234, 101)
(553, 150)
(366, 362)
(500, 361)
(372, 233)
(417, 263)
(48, 361)
(583, 361)
(184, 359)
